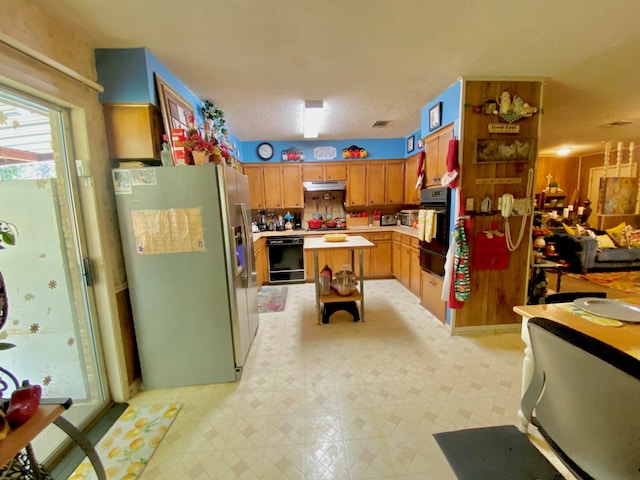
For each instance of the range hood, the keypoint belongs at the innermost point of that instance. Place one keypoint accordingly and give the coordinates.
(323, 186)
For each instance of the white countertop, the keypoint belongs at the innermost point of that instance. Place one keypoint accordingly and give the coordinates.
(352, 241)
(350, 230)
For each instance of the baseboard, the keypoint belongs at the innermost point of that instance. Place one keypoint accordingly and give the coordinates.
(482, 329)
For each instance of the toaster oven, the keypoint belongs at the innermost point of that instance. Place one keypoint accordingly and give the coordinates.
(388, 220)
(406, 219)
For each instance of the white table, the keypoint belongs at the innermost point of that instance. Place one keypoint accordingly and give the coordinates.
(625, 338)
(352, 243)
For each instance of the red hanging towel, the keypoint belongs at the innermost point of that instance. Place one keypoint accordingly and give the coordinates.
(490, 250)
(451, 178)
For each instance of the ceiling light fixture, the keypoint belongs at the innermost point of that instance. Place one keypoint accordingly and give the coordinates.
(563, 151)
(312, 118)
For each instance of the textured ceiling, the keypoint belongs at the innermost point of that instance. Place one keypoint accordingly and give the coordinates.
(382, 59)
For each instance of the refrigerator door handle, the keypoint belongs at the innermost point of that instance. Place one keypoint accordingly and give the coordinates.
(248, 260)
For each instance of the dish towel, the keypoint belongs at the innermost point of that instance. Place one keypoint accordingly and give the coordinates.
(421, 224)
(461, 280)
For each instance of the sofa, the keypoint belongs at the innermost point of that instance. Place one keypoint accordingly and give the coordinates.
(582, 254)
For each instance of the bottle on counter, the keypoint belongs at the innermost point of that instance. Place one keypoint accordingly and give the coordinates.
(325, 280)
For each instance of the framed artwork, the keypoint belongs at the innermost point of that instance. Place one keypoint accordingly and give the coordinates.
(435, 117)
(175, 109)
(496, 150)
(410, 144)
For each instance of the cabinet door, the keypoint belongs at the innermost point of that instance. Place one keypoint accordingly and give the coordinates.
(272, 176)
(444, 136)
(292, 193)
(431, 291)
(411, 194)
(381, 255)
(396, 255)
(376, 176)
(414, 271)
(256, 187)
(405, 262)
(311, 173)
(134, 130)
(432, 172)
(356, 184)
(395, 183)
(335, 171)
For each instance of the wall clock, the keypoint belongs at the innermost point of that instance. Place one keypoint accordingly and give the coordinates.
(265, 151)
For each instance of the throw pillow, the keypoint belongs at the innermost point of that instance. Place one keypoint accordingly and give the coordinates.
(568, 229)
(633, 238)
(605, 242)
(618, 234)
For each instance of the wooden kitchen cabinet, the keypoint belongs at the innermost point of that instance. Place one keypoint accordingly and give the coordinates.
(260, 255)
(292, 192)
(430, 293)
(405, 261)
(256, 186)
(414, 267)
(356, 194)
(272, 181)
(376, 182)
(396, 255)
(411, 194)
(436, 148)
(134, 130)
(394, 183)
(380, 257)
(324, 172)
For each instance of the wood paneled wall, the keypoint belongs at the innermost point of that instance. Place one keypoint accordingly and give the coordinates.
(564, 171)
(495, 292)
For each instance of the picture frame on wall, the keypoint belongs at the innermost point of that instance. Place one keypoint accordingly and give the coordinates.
(175, 109)
(435, 117)
(411, 144)
(499, 150)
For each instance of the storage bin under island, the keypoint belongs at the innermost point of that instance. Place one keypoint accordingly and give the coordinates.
(352, 243)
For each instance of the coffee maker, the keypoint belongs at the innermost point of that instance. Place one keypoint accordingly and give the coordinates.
(262, 221)
(297, 221)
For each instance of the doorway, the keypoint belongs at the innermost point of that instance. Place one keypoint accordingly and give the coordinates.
(50, 301)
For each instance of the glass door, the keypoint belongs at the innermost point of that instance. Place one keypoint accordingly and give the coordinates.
(49, 302)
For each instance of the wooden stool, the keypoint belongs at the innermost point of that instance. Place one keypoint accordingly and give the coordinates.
(329, 309)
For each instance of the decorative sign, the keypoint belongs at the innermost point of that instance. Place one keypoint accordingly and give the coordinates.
(325, 153)
(504, 128)
(498, 181)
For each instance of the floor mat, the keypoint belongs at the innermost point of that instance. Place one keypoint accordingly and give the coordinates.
(272, 298)
(493, 453)
(625, 281)
(129, 444)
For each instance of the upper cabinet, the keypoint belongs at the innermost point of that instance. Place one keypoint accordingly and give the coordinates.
(134, 130)
(375, 183)
(275, 186)
(323, 172)
(436, 148)
(411, 193)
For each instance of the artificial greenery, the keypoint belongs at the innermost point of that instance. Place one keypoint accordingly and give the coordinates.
(210, 111)
(7, 233)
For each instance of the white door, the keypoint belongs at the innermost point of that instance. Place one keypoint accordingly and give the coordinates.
(49, 303)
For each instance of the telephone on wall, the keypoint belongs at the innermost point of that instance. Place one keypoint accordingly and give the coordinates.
(516, 207)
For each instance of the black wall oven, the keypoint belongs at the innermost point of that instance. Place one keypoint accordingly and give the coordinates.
(434, 253)
(286, 259)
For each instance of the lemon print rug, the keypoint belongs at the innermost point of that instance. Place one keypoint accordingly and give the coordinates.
(130, 442)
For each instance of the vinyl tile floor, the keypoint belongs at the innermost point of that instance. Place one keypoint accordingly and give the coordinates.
(343, 400)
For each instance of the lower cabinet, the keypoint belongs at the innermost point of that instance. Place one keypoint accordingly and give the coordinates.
(260, 255)
(430, 293)
(396, 253)
(405, 261)
(414, 267)
(380, 265)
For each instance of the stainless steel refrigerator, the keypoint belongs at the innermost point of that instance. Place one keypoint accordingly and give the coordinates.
(188, 252)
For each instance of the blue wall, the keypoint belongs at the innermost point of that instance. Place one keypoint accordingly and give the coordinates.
(377, 149)
(451, 100)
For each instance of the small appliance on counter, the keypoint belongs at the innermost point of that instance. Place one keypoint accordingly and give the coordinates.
(388, 220)
(297, 221)
(407, 217)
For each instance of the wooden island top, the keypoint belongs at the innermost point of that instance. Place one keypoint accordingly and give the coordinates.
(352, 242)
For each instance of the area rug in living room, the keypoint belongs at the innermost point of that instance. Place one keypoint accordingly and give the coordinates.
(625, 281)
(272, 298)
(128, 445)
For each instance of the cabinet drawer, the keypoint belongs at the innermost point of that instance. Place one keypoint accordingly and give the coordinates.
(406, 240)
(397, 237)
(381, 236)
(415, 243)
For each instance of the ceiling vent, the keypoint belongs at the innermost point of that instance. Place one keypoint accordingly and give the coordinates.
(380, 123)
(617, 123)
